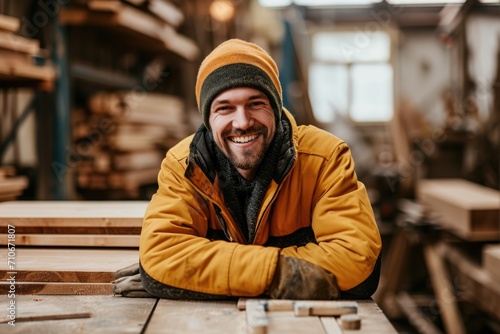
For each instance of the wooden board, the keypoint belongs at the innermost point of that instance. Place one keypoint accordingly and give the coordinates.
(469, 210)
(100, 214)
(39, 264)
(63, 288)
(491, 261)
(74, 240)
(109, 314)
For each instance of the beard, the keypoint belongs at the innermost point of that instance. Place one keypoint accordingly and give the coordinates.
(251, 158)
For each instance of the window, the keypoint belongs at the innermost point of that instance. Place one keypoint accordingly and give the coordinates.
(351, 74)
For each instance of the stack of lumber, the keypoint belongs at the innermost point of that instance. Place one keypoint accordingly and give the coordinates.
(73, 223)
(16, 55)
(151, 23)
(68, 247)
(11, 186)
(469, 210)
(125, 136)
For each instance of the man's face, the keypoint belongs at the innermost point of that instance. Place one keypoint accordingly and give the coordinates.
(243, 126)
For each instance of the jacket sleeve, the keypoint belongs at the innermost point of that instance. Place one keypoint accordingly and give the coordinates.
(174, 250)
(348, 242)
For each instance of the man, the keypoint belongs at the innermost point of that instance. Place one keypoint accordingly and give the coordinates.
(252, 204)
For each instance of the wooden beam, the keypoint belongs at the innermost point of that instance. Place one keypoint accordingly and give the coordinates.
(102, 214)
(443, 290)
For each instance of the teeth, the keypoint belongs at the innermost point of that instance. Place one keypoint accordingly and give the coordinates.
(243, 139)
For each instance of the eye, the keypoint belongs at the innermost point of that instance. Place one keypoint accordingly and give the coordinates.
(257, 104)
(223, 109)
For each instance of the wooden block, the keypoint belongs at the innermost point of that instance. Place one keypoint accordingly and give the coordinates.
(324, 308)
(491, 261)
(350, 321)
(257, 320)
(469, 210)
(9, 23)
(88, 214)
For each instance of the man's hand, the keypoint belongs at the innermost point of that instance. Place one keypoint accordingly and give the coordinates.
(299, 279)
(128, 282)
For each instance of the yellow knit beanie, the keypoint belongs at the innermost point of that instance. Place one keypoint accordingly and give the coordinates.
(236, 63)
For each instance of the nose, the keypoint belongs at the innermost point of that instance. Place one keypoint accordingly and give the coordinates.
(242, 118)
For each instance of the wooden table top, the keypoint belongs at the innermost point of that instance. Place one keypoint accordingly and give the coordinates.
(116, 314)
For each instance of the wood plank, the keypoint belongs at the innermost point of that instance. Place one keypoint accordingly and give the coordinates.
(491, 261)
(58, 288)
(39, 263)
(467, 209)
(9, 23)
(73, 213)
(74, 240)
(443, 289)
(196, 317)
(109, 314)
(51, 316)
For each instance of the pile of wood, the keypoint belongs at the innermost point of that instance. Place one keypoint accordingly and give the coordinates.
(11, 186)
(153, 22)
(17, 56)
(123, 138)
(73, 223)
(68, 247)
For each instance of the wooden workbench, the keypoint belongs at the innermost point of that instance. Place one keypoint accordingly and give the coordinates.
(115, 314)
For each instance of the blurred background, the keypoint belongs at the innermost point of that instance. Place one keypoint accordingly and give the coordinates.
(94, 92)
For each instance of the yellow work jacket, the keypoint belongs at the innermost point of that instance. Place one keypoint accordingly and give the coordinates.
(317, 190)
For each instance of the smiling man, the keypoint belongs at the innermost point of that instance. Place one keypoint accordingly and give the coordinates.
(253, 204)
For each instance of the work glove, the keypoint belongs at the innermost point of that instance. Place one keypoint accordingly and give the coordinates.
(299, 279)
(128, 283)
